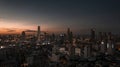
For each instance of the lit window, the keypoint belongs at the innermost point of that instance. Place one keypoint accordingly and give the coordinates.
(112, 45)
(108, 45)
(102, 42)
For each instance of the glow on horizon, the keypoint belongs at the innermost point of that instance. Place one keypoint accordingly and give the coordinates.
(13, 24)
(16, 27)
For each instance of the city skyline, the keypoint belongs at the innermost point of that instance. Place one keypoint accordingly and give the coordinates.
(56, 16)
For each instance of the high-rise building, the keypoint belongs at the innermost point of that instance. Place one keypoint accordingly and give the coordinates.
(100, 36)
(109, 36)
(78, 51)
(103, 42)
(92, 34)
(87, 50)
(38, 34)
(110, 44)
(68, 31)
(110, 48)
(23, 35)
(69, 35)
(107, 44)
(103, 47)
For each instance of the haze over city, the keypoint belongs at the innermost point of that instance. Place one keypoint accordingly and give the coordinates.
(58, 15)
(59, 33)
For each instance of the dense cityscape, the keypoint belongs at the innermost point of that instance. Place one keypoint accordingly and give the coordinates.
(60, 50)
(59, 33)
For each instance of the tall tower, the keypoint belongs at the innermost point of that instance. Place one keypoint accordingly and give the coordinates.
(23, 36)
(38, 34)
(70, 35)
(68, 31)
(92, 34)
(100, 36)
(87, 50)
(110, 44)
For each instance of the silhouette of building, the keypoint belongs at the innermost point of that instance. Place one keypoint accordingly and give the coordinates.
(38, 34)
(100, 37)
(92, 34)
(110, 44)
(103, 42)
(70, 35)
(87, 50)
(23, 35)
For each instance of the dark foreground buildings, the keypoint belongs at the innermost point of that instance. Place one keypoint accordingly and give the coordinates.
(60, 50)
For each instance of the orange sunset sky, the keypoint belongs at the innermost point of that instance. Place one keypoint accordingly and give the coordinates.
(13, 27)
(17, 26)
(56, 16)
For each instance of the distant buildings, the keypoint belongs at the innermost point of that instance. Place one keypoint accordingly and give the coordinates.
(38, 34)
(69, 35)
(92, 34)
(23, 36)
(60, 50)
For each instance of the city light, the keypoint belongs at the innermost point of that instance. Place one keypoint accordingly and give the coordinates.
(59, 33)
(2, 47)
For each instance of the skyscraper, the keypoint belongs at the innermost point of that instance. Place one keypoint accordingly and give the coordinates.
(38, 34)
(68, 31)
(87, 50)
(23, 35)
(92, 34)
(100, 36)
(110, 44)
(70, 35)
